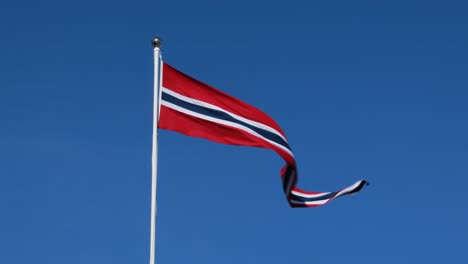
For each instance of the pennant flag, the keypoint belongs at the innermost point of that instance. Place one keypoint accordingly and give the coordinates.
(193, 108)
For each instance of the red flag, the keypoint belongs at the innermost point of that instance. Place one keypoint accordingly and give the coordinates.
(196, 109)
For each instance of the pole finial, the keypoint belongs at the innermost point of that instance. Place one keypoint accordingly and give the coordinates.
(157, 42)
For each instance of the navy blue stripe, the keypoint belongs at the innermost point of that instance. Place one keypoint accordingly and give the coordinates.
(288, 173)
(224, 116)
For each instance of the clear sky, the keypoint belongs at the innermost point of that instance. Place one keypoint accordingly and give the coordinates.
(363, 90)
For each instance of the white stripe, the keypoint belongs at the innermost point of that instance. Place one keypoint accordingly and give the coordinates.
(309, 195)
(319, 202)
(214, 107)
(224, 122)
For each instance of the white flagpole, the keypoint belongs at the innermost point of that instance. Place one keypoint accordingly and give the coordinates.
(154, 160)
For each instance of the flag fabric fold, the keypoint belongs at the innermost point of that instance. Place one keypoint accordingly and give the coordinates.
(193, 108)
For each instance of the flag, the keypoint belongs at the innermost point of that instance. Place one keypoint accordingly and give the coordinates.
(196, 109)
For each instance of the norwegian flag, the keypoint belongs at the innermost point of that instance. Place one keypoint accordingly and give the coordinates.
(193, 108)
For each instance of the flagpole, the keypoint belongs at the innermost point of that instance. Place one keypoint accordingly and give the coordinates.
(154, 159)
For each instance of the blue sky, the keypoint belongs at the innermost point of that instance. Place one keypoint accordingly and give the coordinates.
(363, 90)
